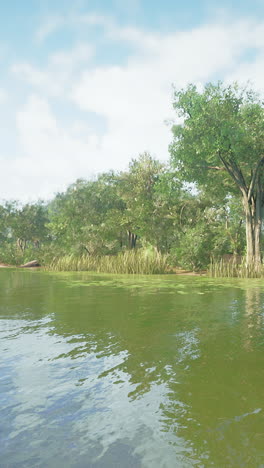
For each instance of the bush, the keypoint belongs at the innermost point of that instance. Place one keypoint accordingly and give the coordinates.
(194, 249)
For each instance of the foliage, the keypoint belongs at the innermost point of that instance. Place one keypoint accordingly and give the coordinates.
(88, 226)
(23, 231)
(220, 146)
(221, 137)
(86, 216)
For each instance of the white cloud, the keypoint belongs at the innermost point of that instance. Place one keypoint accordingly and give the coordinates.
(3, 95)
(80, 53)
(53, 24)
(53, 157)
(250, 72)
(49, 27)
(57, 75)
(134, 98)
(40, 79)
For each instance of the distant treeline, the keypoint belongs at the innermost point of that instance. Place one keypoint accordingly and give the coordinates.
(208, 202)
(146, 207)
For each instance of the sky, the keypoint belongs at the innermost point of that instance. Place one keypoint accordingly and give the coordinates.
(86, 86)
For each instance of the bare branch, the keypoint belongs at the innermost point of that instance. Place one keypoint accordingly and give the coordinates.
(217, 168)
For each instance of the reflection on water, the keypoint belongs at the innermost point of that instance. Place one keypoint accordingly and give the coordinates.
(104, 371)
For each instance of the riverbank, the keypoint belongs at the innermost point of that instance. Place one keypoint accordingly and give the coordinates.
(175, 271)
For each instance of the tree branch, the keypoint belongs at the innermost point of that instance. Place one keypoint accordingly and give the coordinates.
(217, 168)
(254, 177)
(236, 174)
(229, 170)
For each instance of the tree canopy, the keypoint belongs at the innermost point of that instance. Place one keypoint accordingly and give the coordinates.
(219, 145)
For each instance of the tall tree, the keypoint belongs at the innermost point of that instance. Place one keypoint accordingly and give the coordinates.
(138, 189)
(219, 144)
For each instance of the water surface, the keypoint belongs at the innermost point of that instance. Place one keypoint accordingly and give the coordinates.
(113, 371)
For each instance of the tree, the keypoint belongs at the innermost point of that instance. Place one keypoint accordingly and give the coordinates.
(87, 216)
(219, 145)
(202, 232)
(7, 211)
(138, 188)
(28, 224)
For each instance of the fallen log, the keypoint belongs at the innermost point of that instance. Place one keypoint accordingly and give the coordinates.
(32, 264)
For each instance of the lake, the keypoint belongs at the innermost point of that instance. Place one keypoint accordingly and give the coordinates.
(110, 371)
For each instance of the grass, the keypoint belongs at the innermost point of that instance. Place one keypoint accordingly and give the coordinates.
(129, 262)
(232, 269)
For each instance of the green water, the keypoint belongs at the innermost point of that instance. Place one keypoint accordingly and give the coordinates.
(107, 371)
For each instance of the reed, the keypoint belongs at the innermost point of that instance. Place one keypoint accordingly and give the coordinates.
(232, 269)
(129, 262)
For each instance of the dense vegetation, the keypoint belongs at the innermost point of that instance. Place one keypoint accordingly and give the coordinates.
(145, 208)
(149, 211)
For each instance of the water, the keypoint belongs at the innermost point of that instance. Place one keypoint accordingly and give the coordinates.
(107, 371)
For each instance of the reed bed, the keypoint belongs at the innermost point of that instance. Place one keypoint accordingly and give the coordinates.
(232, 269)
(129, 262)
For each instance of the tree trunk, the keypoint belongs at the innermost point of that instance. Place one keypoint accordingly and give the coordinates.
(249, 233)
(258, 224)
(132, 240)
(21, 243)
(129, 238)
(253, 213)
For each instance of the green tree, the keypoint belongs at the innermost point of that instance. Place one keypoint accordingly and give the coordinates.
(87, 216)
(201, 232)
(219, 144)
(150, 192)
(6, 212)
(137, 189)
(28, 224)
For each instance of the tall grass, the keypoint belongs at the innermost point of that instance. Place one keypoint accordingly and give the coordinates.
(231, 269)
(135, 262)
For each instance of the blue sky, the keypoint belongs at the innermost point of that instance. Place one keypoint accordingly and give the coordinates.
(87, 85)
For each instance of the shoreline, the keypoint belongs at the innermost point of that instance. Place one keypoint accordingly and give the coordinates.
(176, 272)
